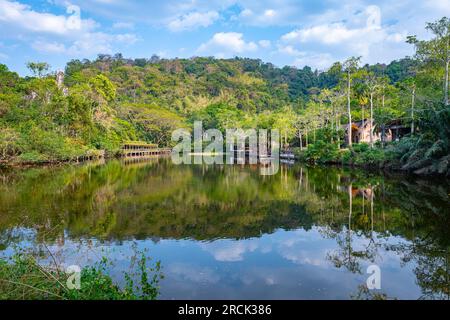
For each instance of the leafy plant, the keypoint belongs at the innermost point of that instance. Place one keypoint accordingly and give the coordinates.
(23, 278)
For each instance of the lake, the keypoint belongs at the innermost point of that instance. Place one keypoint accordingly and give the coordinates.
(227, 232)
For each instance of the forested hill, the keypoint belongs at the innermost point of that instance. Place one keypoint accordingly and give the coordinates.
(187, 85)
(100, 104)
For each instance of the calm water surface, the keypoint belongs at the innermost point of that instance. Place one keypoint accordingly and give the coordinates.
(226, 232)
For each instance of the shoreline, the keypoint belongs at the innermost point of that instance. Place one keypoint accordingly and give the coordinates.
(383, 170)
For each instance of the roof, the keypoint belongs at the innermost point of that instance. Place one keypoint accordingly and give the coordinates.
(139, 143)
(357, 124)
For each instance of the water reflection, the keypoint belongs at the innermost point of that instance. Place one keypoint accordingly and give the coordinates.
(225, 231)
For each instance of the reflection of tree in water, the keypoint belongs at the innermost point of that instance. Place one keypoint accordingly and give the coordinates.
(346, 256)
(431, 266)
(157, 200)
(425, 206)
(363, 293)
(424, 222)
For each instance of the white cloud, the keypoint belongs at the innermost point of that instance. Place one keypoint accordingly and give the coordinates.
(288, 50)
(90, 43)
(193, 20)
(3, 56)
(59, 34)
(265, 43)
(265, 13)
(48, 47)
(328, 34)
(320, 61)
(224, 44)
(246, 13)
(438, 4)
(336, 33)
(342, 38)
(269, 13)
(21, 16)
(127, 38)
(123, 25)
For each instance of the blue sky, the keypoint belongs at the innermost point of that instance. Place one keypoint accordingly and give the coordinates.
(284, 32)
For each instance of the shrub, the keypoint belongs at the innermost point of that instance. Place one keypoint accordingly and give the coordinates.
(9, 143)
(371, 157)
(360, 147)
(22, 278)
(322, 152)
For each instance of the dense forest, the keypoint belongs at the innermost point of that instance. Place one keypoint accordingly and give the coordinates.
(99, 104)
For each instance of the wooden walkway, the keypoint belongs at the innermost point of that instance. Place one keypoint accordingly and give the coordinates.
(134, 149)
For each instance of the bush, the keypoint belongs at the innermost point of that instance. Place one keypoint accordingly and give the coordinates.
(22, 278)
(360, 147)
(39, 145)
(371, 157)
(322, 152)
(362, 155)
(9, 143)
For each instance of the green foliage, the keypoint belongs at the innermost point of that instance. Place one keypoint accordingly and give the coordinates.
(23, 278)
(38, 68)
(359, 155)
(322, 152)
(427, 153)
(104, 87)
(9, 143)
(152, 122)
(113, 99)
(47, 146)
(42, 123)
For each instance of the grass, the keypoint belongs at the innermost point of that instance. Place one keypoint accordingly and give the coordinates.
(23, 278)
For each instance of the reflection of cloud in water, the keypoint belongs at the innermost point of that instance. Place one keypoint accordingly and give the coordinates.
(193, 273)
(301, 247)
(230, 251)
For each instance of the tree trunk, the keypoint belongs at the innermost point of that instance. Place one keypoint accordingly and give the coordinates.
(307, 138)
(333, 128)
(349, 133)
(447, 62)
(314, 134)
(285, 140)
(383, 129)
(300, 137)
(371, 120)
(446, 81)
(338, 123)
(413, 102)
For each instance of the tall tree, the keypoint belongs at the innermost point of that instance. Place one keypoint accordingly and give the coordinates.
(373, 86)
(39, 69)
(436, 50)
(410, 86)
(350, 66)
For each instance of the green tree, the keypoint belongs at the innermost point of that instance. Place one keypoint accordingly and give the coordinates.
(436, 50)
(350, 66)
(39, 69)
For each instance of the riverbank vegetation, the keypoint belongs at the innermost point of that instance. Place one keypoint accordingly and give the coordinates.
(400, 110)
(23, 277)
